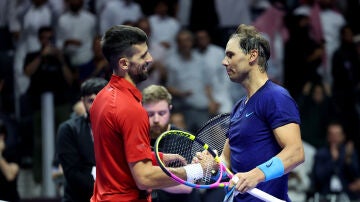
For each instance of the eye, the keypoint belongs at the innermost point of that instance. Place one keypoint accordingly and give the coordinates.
(229, 55)
(151, 114)
(162, 113)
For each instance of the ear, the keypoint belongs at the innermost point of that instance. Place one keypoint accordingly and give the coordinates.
(123, 63)
(253, 56)
(170, 107)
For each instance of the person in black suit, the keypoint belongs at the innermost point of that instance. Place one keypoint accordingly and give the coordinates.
(75, 147)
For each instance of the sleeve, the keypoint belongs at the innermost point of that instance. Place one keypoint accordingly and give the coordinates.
(281, 109)
(136, 135)
(77, 176)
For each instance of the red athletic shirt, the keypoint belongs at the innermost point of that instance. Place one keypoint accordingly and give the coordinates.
(121, 135)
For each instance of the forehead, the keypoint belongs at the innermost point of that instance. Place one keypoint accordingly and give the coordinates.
(140, 49)
(156, 106)
(233, 45)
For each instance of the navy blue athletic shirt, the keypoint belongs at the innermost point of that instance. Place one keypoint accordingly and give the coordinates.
(251, 137)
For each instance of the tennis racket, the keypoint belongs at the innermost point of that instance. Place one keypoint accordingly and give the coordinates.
(213, 132)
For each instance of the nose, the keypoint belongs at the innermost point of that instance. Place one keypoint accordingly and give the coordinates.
(156, 117)
(149, 60)
(225, 62)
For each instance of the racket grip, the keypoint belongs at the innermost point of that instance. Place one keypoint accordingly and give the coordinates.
(258, 193)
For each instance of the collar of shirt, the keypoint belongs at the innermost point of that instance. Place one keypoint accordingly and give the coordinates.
(121, 83)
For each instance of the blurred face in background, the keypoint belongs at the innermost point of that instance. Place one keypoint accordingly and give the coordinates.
(335, 134)
(88, 101)
(159, 117)
(185, 42)
(202, 39)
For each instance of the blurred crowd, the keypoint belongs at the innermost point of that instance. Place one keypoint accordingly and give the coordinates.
(54, 45)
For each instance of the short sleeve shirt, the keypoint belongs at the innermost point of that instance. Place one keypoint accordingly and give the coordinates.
(121, 136)
(251, 137)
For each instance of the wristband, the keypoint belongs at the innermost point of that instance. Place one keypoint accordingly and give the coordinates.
(193, 172)
(272, 168)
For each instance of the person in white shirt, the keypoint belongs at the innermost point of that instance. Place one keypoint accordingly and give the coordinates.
(76, 30)
(164, 27)
(213, 55)
(117, 12)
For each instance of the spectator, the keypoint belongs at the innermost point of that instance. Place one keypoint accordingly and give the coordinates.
(9, 169)
(157, 103)
(316, 109)
(220, 84)
(37, 16)
(336, 165)
(302, 56)
(76, 30)
(48, 72)
(346, 82)
(160, 21)
(110, 15)
(189, 82)
(75, 147)
(157, 72)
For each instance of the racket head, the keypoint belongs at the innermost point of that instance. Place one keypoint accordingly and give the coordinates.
(187, 145)
(214, 131)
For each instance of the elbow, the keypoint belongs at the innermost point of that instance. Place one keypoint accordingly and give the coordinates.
(143, 186)
(301, 155)
(143, 183)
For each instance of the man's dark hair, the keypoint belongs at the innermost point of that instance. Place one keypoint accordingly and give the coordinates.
(45, 29)
(92, 86)
(118, 41)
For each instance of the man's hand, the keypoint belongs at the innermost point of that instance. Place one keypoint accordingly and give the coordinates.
(247, 180)
(170, 158)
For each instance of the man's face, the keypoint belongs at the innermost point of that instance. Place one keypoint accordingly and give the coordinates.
(139, 63)
(159, 117)
(235, 61)
(88, 101)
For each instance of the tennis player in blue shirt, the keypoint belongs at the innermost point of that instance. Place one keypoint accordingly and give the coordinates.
(264, 140)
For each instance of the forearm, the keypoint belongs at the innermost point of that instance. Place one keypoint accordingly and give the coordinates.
(178, 189)
(31, 68)
(148, 176)
(68, 74)
(291, 156)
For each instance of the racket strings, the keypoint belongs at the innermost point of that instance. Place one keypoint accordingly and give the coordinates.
(187, 148)
(214, 132)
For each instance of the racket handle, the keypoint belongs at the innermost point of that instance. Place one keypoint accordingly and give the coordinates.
(263, 195)
(258, 193)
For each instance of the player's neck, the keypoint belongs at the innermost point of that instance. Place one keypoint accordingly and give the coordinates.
(255, 83)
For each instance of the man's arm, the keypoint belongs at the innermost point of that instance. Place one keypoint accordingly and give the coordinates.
(148, 176)
(178, 189)
(69, 159)
(225, 155)
(291, 155)
(9, 170)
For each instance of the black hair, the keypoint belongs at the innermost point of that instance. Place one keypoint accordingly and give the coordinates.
(118, 41)
(92, 86)
(45, 29)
